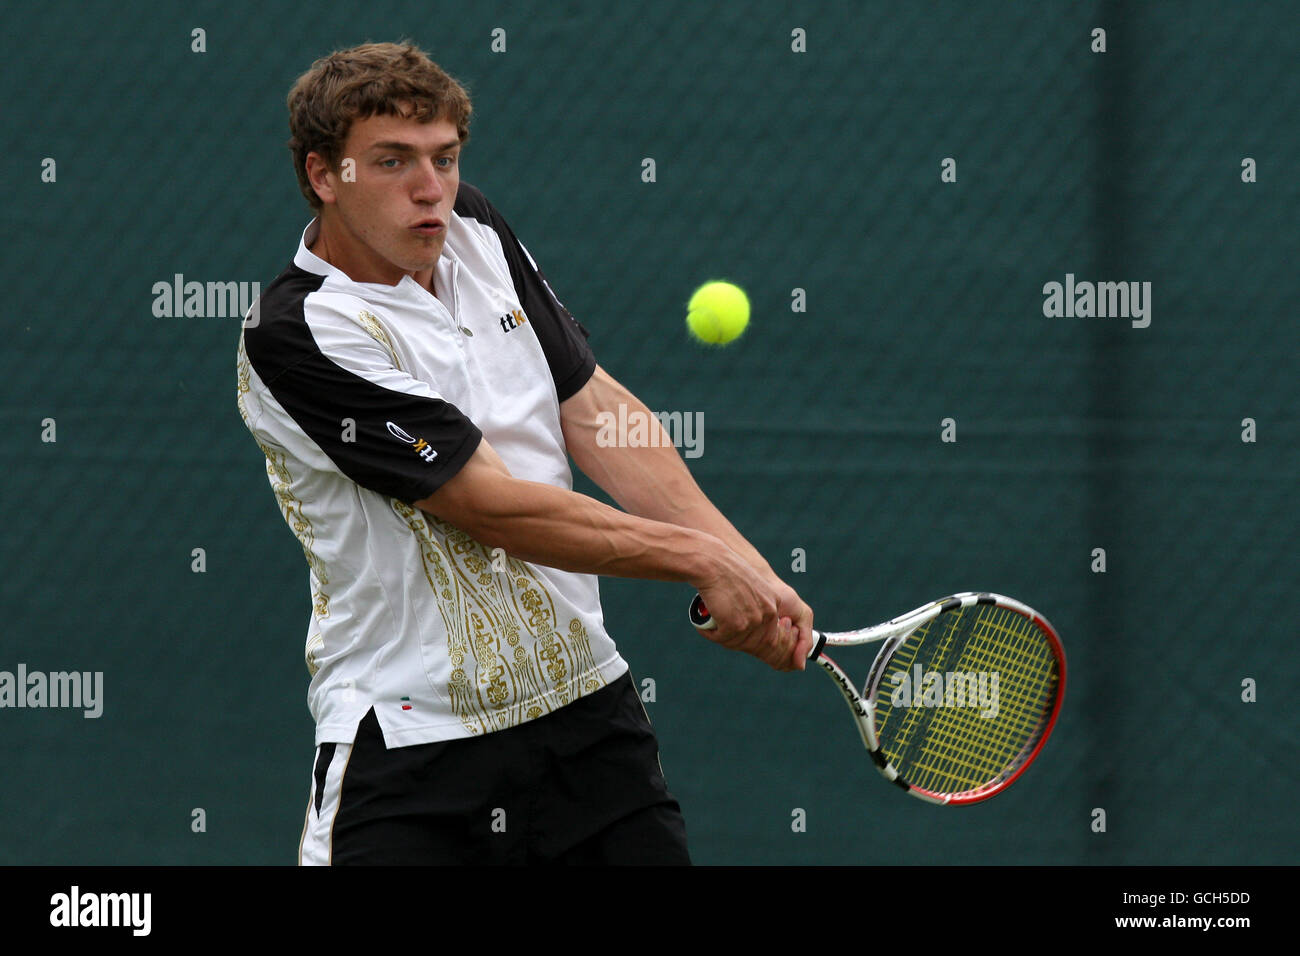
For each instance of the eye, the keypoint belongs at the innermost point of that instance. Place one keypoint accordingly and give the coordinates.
(389, 163)
(446, 162)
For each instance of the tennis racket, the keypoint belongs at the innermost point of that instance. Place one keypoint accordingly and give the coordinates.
(961, 698)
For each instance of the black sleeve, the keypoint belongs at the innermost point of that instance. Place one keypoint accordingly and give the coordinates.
(563, 338)
(323, 369)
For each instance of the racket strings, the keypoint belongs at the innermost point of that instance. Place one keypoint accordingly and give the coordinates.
(975, 746)
(935, 736)
(916, 659)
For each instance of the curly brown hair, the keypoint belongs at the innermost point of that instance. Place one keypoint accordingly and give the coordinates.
(374, 79)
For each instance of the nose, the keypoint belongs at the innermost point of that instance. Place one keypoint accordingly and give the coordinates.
(428, 186)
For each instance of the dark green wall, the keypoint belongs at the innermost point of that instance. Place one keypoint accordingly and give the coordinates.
(779, 170)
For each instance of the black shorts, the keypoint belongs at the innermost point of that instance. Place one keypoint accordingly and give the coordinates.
(581, 785)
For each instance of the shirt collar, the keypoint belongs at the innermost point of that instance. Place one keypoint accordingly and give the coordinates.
(307, 260)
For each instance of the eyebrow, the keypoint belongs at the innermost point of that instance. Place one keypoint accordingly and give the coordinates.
(395, 146)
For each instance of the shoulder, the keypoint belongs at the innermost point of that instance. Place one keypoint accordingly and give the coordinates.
(287, 292)
(295, 303)
(472, 204)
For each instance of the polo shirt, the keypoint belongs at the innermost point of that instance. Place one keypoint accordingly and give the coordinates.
(365, 398)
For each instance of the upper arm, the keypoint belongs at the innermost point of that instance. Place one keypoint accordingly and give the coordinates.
(473, 492)
(333, 395)
(581, 414)
(585, 404)
(646, 476)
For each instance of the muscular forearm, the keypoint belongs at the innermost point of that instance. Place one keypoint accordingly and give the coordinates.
(666, 491)
(653, 482)
(562, 529)
(755, 611)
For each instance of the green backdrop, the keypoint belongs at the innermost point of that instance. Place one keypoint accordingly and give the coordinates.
(817, 170)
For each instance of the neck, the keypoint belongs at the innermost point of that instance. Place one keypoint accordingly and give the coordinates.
(340, 248)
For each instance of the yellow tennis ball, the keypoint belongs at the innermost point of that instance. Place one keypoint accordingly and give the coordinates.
(717, 313)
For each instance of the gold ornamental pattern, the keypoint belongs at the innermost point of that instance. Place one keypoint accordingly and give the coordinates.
(277, 472)
(370, 322)
(510, 660)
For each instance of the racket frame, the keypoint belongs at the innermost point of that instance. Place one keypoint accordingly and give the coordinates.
(894, 632)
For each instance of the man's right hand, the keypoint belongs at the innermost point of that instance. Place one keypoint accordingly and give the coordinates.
(757, 614)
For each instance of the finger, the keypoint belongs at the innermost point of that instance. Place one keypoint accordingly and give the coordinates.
(787, 636)
(803, 647)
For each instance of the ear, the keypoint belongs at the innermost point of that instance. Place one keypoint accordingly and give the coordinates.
(322, 178)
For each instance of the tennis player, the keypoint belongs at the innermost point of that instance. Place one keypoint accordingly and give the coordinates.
(417, 390)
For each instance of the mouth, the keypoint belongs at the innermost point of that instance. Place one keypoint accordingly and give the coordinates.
(429, 227)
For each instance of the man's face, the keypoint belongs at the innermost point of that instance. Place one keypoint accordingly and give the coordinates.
(392, 220)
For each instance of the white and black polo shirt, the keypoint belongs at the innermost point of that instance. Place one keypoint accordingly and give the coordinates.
(365, 398)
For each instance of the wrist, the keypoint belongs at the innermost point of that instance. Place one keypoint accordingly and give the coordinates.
(704, 559)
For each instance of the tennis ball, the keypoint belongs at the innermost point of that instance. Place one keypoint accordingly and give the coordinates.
(717, 313)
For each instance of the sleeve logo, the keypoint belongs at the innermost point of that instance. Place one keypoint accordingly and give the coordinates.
(418, 445)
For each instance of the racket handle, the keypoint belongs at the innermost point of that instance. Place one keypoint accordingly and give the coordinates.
(702, 619)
